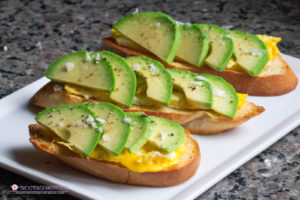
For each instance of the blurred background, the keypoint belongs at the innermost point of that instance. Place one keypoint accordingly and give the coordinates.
(35, 33)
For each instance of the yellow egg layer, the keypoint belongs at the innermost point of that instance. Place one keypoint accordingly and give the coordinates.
(146, 159)
(242, 99)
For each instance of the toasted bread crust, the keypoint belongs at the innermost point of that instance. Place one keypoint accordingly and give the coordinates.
(198, 122)
(186, 167)
(262, 85)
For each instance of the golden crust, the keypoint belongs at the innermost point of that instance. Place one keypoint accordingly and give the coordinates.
(263, 85)
(199, 122)
(41, 138)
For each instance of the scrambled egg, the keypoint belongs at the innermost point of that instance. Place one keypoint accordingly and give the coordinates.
(146, 159)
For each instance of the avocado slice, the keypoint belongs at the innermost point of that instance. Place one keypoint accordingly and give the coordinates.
(193, 46)
(167, 135)
(159, 81)
(115, 125)
(125, 80)
(80, 69)
(197, 92)
(249, 51)
(141, 130)
(154, 31)
(225, 98)
(74, 124)
(220, 47)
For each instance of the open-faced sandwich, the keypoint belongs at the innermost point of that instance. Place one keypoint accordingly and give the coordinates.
(251, 63)
(202, 103)
(129, 148)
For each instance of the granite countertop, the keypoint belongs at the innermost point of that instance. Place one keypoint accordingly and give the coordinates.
(35, 33)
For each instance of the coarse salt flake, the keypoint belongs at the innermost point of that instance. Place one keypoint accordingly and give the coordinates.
(69, 66)
(80, 123)
(188, 24)
(201, 78)
(98, 57)
(106, 137)
(178, 23)
(153, 69)
(88, 57)
(94, 125)
(60, 124)
(90, 119)
(100, 129)
(136, 67)
(163, 135)
(127, 120)
(57, 88)
(196, 83)
(101, 120)
(135, 11)
(257, 52)
(220, 93)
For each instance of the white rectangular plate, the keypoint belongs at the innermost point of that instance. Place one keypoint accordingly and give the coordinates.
(221, 154)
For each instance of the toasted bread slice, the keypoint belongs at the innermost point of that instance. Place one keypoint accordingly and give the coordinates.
(199, 122)
(277, 79)
(187, 166)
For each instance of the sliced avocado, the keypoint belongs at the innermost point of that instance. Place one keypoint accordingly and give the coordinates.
(154, 31)
(167, 135)
(116, 128)
(125, 80)
(193, 46)
(80, 69)
(74, 124)
(141, 130)
(159, 81)
(249, 51)
(197, 92)
(225, 98)
(220, 46)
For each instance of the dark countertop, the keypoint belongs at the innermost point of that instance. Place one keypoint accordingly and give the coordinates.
(35, 33)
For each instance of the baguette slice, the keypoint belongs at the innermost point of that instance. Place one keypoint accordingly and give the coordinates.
(198, 122)
(187, 166)
(277, 79)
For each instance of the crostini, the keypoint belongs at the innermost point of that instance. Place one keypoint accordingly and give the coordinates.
(253, 64)
(202, 103)
(129, 148)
